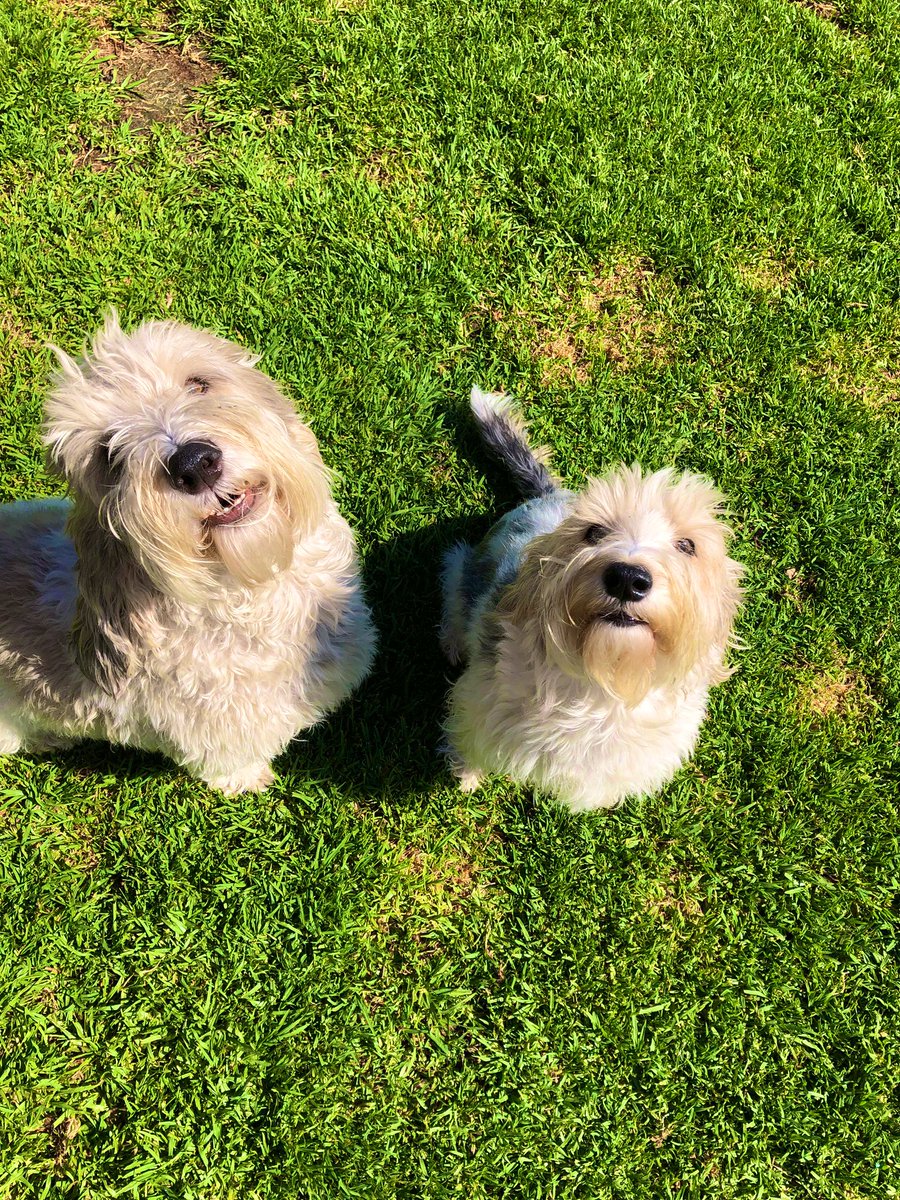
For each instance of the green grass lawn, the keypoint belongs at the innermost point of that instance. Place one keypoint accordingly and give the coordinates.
(670, 227)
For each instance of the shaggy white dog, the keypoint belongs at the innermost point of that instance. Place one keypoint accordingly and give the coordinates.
(592, 626)
(200, 595)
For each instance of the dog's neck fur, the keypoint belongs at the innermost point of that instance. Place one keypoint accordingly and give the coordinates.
(521, 715)
(121, 615)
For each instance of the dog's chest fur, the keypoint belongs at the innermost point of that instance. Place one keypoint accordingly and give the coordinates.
(244, 672)
(265, 653)
(527, 719)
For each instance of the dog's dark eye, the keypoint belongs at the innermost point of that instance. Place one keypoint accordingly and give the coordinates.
(595, 533)
(686, 546)
(197, 385)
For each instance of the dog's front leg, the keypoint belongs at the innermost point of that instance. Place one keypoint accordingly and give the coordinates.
(255, 777)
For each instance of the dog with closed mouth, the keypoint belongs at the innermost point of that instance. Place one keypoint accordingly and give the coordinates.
(199, 593)
(591, 625)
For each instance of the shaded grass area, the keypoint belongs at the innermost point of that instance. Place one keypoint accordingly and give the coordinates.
(671, 230)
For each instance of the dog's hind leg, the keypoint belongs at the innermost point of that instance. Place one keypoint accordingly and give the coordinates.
(12, 739)
(19, 737)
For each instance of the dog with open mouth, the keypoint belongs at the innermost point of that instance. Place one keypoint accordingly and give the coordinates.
(591, 625)
(199, 595)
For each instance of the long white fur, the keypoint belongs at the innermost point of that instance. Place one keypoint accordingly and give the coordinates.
(552, 695)
(127, 617)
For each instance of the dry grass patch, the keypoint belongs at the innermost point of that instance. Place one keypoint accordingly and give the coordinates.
(612, 318)
(768, 275)
(798, 587)
(672, 898)
(448, 880)
(390, 167)
(835, 691)
(562, 359)
(627, 318)
(81, 854)
(424, 894)
(12, 328)
(86, 10)
(658, 1139)
(165, 81)
(863, 366)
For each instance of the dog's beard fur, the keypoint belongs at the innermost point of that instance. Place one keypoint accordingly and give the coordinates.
(115, 418)
(686, 618)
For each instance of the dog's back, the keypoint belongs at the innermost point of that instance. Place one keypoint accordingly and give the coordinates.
(37, 560)
(472, 576)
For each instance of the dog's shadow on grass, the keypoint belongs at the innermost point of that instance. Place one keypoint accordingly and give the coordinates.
(382, 745)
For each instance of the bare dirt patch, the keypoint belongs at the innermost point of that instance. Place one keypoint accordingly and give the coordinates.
(90, 157)
(825, 10)
(60, 1135)
(163, 81)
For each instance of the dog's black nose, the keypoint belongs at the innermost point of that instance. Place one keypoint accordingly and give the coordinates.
(194, 466)
(626, 581)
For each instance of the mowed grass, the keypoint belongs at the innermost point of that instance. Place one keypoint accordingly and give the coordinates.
(670, 228)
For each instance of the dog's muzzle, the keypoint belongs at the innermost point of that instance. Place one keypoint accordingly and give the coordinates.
(194, 467)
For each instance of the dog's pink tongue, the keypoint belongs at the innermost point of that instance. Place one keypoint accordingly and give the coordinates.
(229, 515)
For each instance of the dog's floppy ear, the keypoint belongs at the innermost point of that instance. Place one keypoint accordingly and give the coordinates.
(312, 486)
(522, 599)
(110, 585)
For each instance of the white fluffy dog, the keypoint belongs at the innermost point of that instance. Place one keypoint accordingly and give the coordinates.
(200, 595)
(592, 627)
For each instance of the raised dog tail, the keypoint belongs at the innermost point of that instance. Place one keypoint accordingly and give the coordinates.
(506, 436)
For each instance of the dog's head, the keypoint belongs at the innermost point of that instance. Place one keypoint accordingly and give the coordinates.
(635, 588)
(189, 456)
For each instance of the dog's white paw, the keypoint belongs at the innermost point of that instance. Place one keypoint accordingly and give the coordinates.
(469, 780)
(251, 779)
